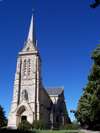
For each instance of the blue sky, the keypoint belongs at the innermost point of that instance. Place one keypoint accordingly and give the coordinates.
(67, 33)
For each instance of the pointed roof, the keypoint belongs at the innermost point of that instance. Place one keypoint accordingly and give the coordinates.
(30, 44)
(30, 34)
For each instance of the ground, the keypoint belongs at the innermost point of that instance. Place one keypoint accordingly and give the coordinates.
(60, 131)
(41, 131)
(88, 131)
(49, 131)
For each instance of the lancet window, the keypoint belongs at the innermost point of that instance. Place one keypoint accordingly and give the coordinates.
(24, 95)
(29, 67)
(24, 68)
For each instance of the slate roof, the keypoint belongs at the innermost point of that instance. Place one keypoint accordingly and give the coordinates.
(54, 91)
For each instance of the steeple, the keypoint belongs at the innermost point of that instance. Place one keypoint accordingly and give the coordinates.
(30, 44)
(31, 33)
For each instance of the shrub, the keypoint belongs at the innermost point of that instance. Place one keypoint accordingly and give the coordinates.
(39, 124)
(70, 127)
(25, 125)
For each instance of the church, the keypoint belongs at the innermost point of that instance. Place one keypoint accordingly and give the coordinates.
(31, 100)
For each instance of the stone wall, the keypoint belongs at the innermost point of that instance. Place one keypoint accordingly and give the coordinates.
(45, 106)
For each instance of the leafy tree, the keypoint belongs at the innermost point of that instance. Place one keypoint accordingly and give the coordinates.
(3, 120)
(95, 4)
(88, 111)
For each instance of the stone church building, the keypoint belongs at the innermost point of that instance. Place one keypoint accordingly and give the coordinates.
(31, 100)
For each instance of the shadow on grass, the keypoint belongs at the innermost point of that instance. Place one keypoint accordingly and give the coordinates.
(37, 131)
(15, 131)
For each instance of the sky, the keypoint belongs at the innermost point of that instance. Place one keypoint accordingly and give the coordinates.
(67, 32)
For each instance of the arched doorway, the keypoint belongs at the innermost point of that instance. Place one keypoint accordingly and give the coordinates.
(24, 113)
(19, 116)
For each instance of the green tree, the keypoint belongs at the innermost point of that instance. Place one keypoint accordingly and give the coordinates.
(88, 111)
(95, 4)
(3, 120)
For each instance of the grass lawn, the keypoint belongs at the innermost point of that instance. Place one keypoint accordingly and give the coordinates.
(58, 131)
(40, 131)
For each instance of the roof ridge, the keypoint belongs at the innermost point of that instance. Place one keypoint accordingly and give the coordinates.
(55, 87)
(55, 91)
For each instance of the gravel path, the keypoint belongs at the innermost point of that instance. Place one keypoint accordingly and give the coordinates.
(88, 131)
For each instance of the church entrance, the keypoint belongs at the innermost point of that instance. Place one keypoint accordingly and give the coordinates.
(21, 115)
(23, 118)
(24, 113)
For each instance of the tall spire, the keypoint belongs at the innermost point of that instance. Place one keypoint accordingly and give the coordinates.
(31, 31)
(30, 44)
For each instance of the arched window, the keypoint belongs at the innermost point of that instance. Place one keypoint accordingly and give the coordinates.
(29, 67)
(24, 95)
(24, 68)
